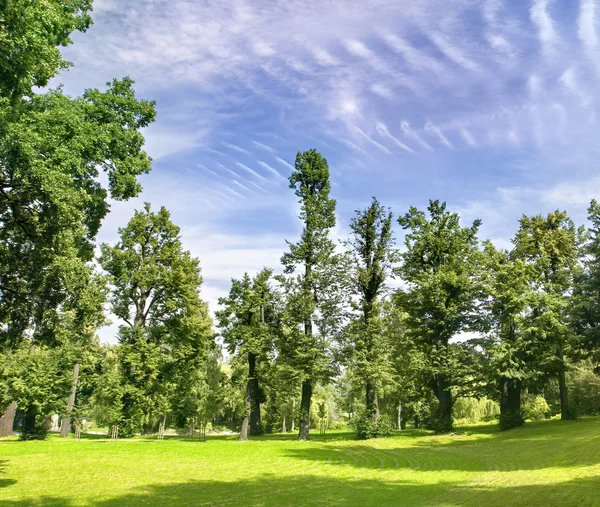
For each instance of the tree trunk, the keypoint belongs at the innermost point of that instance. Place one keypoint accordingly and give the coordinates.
(304, 433)
(562, 384)
(283, 428)
(244, 430)
(510, 403)
(399, 416)
(7, 420)
(444, 396)
(253, 396)
(293, 415)
(371, 400)
(65, 427)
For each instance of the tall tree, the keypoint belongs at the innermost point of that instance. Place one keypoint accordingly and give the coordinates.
(510, 345)
(52, 150)
(248, 322)
(155, 291)
(439, 266)
(550, 245)
(586, 307)
(305, 294)
(373, 253)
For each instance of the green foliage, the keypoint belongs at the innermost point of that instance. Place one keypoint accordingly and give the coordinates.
(584, 388)
(372, 256)
(366, 428)
(156, 293)
(440, 268)
(535, 407)
(469, 410)
(314, 296)
(32, 32)
(586, 308)
(38, 379)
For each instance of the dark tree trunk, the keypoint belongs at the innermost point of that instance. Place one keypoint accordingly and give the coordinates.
(510, 403)
(444, 396)
(253, 396)
(7, 420)
(371, 400)
(304, 433)
(562, 385)
(65, 427)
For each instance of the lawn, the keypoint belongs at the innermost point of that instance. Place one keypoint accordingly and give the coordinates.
(546, 463)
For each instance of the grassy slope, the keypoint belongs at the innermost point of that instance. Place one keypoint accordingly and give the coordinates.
(548, 463)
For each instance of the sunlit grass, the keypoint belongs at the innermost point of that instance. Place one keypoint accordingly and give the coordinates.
(547, 463)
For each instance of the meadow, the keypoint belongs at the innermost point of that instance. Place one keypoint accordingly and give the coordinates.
(544, 463)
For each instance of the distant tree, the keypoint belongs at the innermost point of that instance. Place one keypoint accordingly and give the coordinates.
(372, 253)
(439, 266)
(155, 291)
(550, 245)
(311, 292)
(248, 323)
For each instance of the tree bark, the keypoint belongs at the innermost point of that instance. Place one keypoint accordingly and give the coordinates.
(293, 415)
(254, 396)
(283, 428)
(510, 403)
(444, 396)
(7, 420)
(65, 427)
(399, 416)
(372, 402)
(244, 430)
(562, 385)
(304, 432)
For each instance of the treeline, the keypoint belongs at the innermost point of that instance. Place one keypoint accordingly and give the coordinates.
(361, 327)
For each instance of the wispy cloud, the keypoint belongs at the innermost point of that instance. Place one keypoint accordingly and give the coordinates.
(383, 131)
(251, 171)
(273, 171)
(411, 134)
(544, 24)
(235, 148)
(264, 147)
(379, 146)
(433, 129)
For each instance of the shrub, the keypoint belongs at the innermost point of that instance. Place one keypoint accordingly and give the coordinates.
(535, 407)
(366, 428)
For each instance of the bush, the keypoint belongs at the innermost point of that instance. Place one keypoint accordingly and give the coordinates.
(535, 407)
(366, 428)
(584, 390)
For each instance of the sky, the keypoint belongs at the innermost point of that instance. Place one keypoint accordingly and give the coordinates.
(489, 105)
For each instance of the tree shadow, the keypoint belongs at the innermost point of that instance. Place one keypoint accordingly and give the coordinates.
(5, 482)
(519, 449)
(311, 490)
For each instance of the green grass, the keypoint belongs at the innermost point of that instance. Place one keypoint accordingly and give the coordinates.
(547, 463)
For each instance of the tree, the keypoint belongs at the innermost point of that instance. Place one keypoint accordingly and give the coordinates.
(373, 254)
(155, 291)
(586, 301)
(248, 322)
(52, 150)
(439, 266)
(309, 292)
(510, 345)
(550, 245)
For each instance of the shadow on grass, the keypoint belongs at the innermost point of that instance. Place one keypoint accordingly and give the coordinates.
(316, 490)
(5, 482)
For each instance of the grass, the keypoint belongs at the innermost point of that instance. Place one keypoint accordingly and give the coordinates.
(546, 463)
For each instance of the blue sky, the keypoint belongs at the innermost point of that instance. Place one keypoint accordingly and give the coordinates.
(490, 105)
